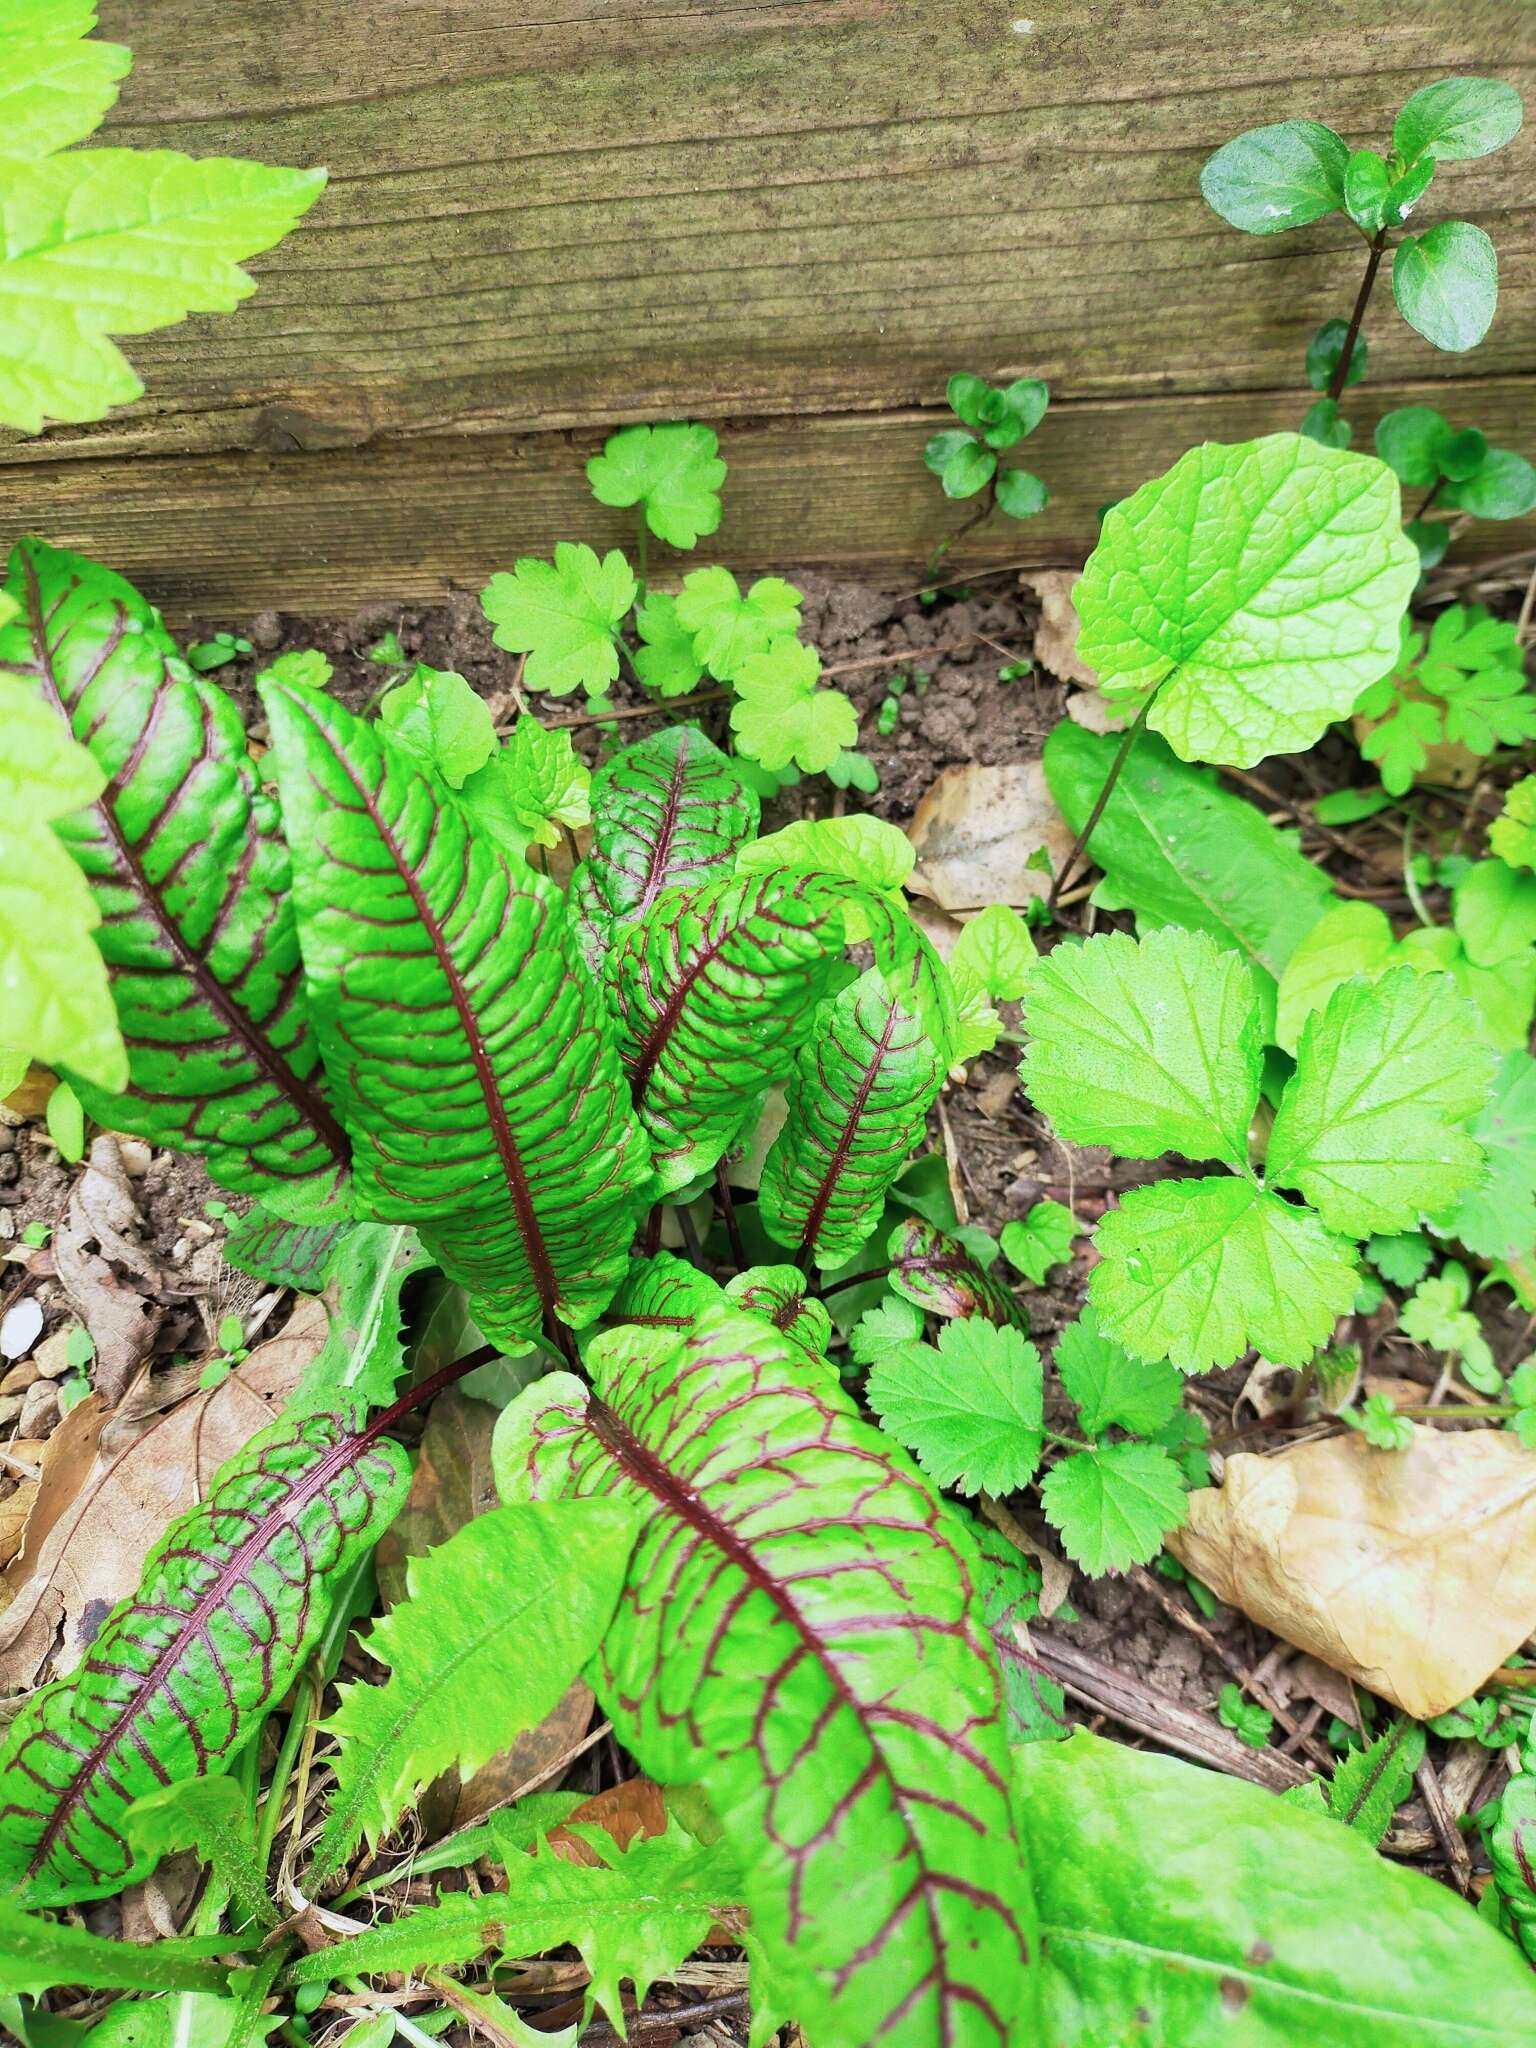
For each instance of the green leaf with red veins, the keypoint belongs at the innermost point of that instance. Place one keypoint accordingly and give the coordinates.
(667, 813)
(714, 989)
(859, 1098)
(180, 1674)
(777, 1294)
(800, 1633)
(940, 1276)
(663, 1292)
(186, 863)
(478, 1081)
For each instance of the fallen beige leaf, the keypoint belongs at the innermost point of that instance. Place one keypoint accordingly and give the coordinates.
(100, 1233)
(1412, 1571)
(975, 830)
(1056, 634)
(111, 1484)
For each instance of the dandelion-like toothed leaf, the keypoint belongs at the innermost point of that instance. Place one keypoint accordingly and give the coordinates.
(471, 1049)
(185, 859)
(858, 1102)
(800, 1632)
(936, 1273)
(664, 1292)
(667, 813)
(714, 990)
(174, 1684)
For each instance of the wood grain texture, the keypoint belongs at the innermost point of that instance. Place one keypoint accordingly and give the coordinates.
(410, 516)
(551, 215)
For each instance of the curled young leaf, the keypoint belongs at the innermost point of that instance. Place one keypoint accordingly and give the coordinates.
(174, 1684)
(777, 1294)
(800, 1633)
(483, 1096)
(937, 1274)
(185, 859)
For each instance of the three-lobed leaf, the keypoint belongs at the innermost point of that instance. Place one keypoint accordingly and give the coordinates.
(1255, 589)
(1111, 1389)
(55, 84)
(673, 472)
(1113, 1505)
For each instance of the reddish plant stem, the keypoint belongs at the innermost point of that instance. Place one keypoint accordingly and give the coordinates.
(1362, 300)
(732, 1226)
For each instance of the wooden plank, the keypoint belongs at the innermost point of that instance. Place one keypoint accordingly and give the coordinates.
(409, 517)
(577, 211)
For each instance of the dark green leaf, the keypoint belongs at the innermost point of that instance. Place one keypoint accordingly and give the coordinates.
(283, 1254)
(1457, 118)
(482, 1093)
(187, 864)
(1446, 284)
(1502, 487)
(1278, 177)
(967, 470)
(1464, 454)
(1324, 424)
(967, 396)
(1324, 351)
(1021, 495)
(1411, 441)
(940, 449)
(1366, 185)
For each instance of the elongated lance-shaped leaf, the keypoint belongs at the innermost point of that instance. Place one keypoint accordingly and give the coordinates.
(173, 1686)
(283, 1254)
(667, 813)
(800, 1632)
(185, 859)
(470, 1047)
(714, 990)
(936, 1273)
(859, 1098)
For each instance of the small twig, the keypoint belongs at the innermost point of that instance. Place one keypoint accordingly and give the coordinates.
(663, 708)
(1443, 1822)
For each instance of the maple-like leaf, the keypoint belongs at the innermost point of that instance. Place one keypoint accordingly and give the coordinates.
(564, 615)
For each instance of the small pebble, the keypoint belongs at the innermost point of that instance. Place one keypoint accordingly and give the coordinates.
(10, 1408)
(266, 631)
(52, 1356)
(135, 1155)
(22, 1327)
(39, 1410)
(21, 1376)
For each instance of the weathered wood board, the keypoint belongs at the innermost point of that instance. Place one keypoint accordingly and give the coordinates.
(791, 219)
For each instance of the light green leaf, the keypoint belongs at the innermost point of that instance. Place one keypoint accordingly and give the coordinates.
(37, 1954)
(1112, 1506)
(862, 848)
(1446, 284)
(1111, 1388)
(728, 627)
(498, 1622)
(1148, 1046)
(1371, 1128)
(535, 785)
(1402, 1256)
(53, 982)
(674, 471)
(995, 947)
(1042, 1238)
(1177, 848)
(970, 1411)
(564, 615)
(1495, 913)
(54, 85)
(1278, 177)
(212, 1816)
(65, 1121)
(665, 661)
(1257, 588)
(1496, 1216)
(360, 1363)
(1196, 1271)
(1512, 835)
(120, 241)
(781, 717)
(1354, 938)
(1457, 118)
(1187, 1908)
(440, 719)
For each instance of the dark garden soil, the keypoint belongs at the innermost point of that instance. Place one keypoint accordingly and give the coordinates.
(1139, 1659)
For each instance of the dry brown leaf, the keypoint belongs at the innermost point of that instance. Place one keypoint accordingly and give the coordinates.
(14, 1510)
(111, 1484)
(537, 1755)
(122, 1321)
(636, 1807)
(976, 828)
(1413, 1571)
(1056, 634)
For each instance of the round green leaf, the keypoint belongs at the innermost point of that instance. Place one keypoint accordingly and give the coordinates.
(968, 470)
(938, 450)
(1324, 424)
(1446, 284)
(1431, 537)
(1020, 494)
(1027, 398)
(1411, 440)
(1257, 588)
(1502, 487)
(967, 395)
(1458, 118)
(1464, 454)
(1279, 177)
(1324, 350)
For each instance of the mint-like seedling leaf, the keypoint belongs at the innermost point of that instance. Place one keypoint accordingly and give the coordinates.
(969, 1410)
(1380, 1424)
(1446, 284)
(1411, 441)
(1281, 176)
(1021, 494)
(1256, 588)
(727, 628)
(673, 471)
(1371, 1128)
(564, 615)
(780, 717)
(1196, 1271)
(1040, 1240)
(1112, 1389)
(535, 786)
(1148, 1046)
(1457, 119)
(665, 661)
(1112, 1506)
